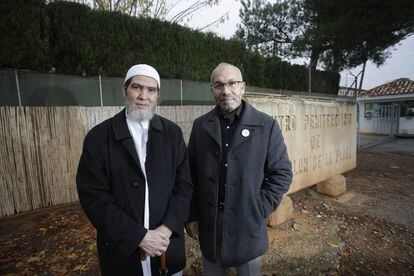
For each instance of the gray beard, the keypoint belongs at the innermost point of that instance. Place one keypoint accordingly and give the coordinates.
(229, 108)
(137, 115)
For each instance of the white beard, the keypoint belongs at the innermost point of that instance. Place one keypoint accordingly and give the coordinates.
(138, 115)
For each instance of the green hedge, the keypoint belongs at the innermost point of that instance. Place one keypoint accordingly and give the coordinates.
(74, 39)
(24, 34)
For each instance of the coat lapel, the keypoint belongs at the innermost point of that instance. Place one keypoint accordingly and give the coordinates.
(121, 133)
(153, 143)
(249, 121)
(212, 126)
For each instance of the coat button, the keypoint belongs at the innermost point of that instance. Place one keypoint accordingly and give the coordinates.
(135, 185)
(106, 243)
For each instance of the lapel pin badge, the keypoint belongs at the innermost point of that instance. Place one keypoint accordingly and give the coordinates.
(245, 132)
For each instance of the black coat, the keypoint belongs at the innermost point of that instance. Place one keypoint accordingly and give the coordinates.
(111, 187)
(258, 174)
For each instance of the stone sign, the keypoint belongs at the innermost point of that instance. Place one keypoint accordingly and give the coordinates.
(320, 135)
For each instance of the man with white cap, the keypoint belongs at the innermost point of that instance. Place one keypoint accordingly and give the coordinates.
(134, 184)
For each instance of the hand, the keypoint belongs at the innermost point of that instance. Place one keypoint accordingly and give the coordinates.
(164, 230)
(192, 229)
(154, 243)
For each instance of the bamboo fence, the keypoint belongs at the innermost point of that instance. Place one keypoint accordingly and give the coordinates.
(40, 149)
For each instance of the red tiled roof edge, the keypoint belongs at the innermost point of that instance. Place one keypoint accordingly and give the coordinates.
(395, 87)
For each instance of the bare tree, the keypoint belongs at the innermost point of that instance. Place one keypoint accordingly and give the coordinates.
(174, 11)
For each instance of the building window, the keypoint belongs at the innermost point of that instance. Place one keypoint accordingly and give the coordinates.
(409, 112)
(369, 110)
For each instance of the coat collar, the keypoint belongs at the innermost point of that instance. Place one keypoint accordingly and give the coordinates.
(120, 126)
(249, 119)
(250, 116)
(212, 125)
(121, 133)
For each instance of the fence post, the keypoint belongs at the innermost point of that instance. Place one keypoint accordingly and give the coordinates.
(181, 92)
(18, 87)
(100, 89)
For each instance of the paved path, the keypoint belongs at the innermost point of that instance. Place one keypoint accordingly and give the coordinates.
(387, 144)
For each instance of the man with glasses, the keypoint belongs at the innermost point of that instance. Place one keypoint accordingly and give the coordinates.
(240, 170)
(134, 183)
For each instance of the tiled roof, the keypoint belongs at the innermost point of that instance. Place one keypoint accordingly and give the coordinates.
(395, 87)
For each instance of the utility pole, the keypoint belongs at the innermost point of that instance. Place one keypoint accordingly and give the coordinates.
(310, 75)
(362, 76)
(357, 105)
(310, 79)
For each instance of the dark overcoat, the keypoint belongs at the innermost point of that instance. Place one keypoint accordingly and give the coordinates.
(258, 174)
(111, 187)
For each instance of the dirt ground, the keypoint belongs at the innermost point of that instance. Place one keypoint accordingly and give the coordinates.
(367, 231)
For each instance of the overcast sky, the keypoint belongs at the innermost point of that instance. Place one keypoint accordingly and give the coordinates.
(400, 65)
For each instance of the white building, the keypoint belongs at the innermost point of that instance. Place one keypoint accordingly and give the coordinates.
(387, 109)
(348, 91)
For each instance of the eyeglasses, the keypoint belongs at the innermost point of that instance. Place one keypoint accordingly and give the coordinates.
(218, 86)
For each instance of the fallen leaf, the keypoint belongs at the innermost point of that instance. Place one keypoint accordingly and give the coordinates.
(33, 259)
(334, 245)
(72, 256)
(79, 267)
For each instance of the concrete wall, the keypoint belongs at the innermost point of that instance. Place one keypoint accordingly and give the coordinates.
(406, 126)
(366, 124)
(320, 135)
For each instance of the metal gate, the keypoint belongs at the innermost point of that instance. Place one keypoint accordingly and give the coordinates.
(386, 119)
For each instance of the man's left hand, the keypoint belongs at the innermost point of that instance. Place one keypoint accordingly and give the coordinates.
(164, 230)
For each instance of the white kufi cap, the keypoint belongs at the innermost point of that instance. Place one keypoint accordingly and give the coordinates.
(143, 70)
